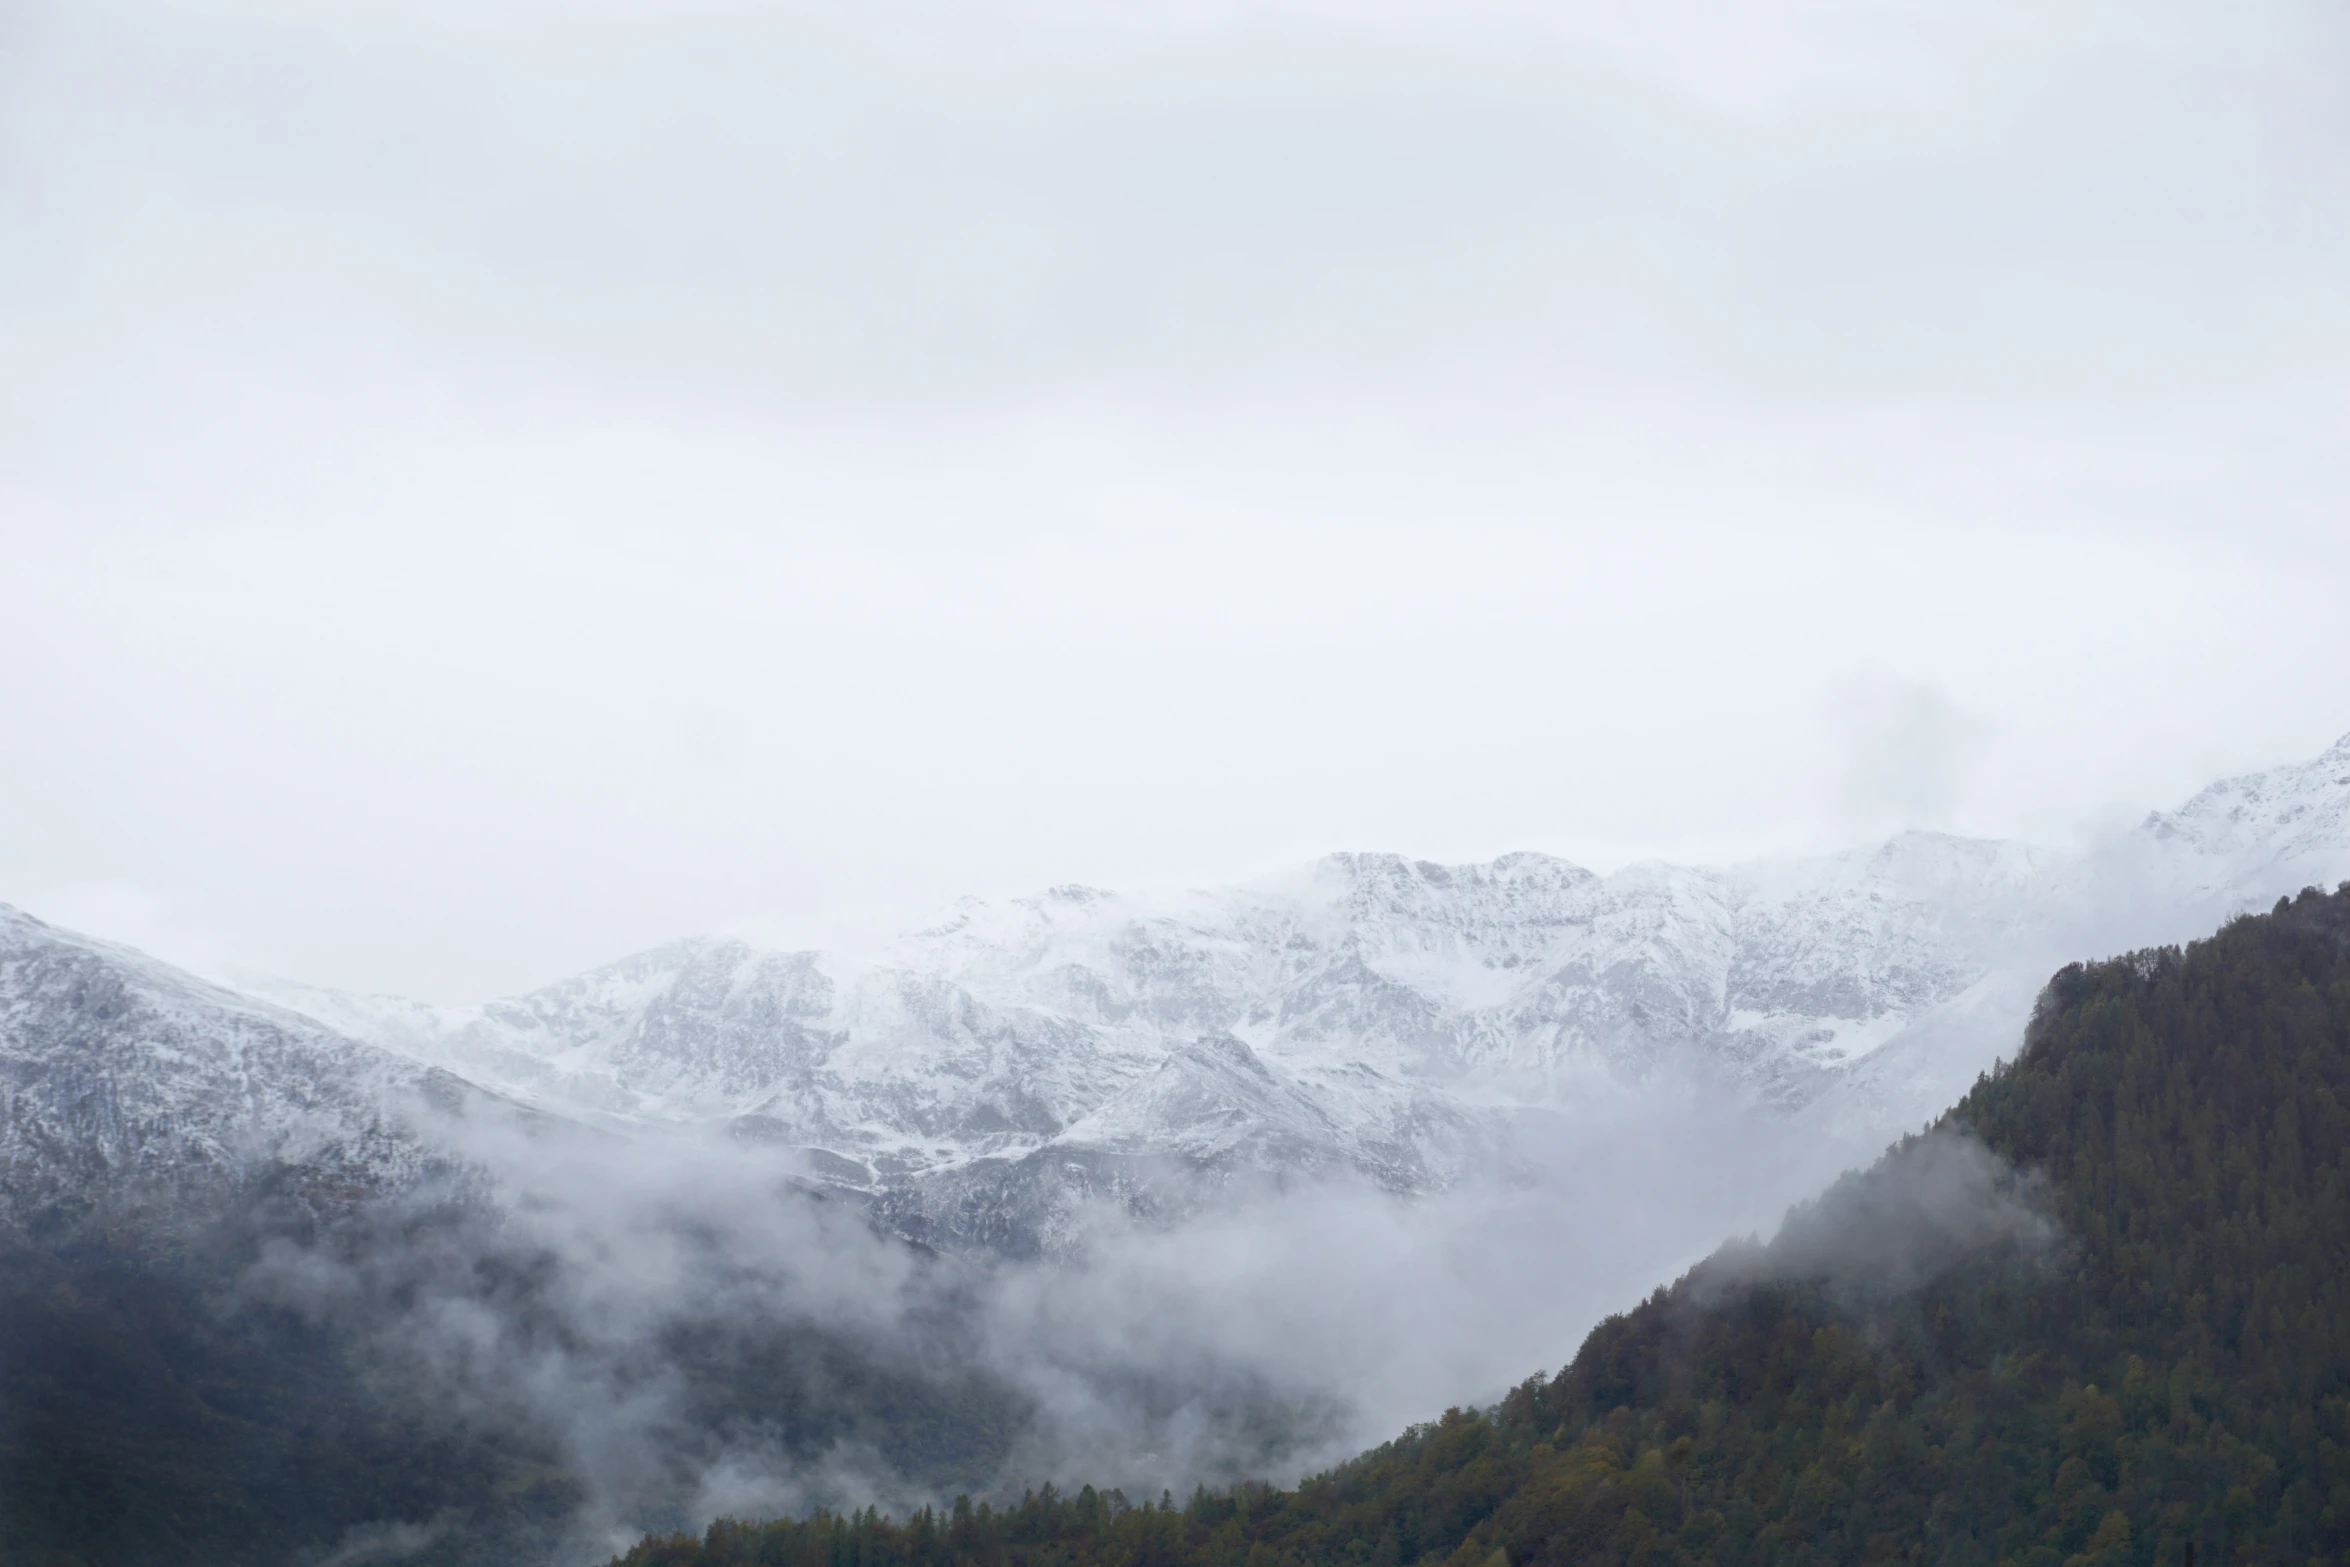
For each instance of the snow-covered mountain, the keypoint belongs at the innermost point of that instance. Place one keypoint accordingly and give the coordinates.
(2260, 835)
(1368, 1016)
(1372, 1014)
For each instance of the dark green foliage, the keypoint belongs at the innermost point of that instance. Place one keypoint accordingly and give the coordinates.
(141, 1423)
(157, 1410)
(2138, 1346)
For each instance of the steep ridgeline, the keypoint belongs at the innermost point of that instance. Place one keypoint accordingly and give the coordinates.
(1371, 1015)
(2099, 1316)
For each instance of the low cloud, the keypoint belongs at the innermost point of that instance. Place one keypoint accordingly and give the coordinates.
(696, 1333)
(1932, 1202)
(1908, 751)
(382, 1542)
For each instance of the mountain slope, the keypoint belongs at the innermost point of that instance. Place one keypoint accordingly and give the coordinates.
(125, 1083)
(2100, 1316)
(158, 1135)
(254, 1310)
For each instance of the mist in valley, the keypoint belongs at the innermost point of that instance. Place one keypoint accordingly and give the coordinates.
(696, 1326)
(687, 1327)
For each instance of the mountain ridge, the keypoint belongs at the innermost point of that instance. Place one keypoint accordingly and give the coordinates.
(1007, 1065)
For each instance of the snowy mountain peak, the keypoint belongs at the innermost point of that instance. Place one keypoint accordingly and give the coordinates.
(2267, 827)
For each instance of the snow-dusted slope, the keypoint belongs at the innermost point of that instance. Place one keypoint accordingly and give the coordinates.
(1371, 1012)
(2271, 832)
(124, 1082)
(2236, 846)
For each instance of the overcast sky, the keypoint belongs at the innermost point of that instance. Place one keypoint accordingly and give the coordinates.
(489, 485)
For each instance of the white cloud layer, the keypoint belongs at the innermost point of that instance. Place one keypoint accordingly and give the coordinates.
(484, 487)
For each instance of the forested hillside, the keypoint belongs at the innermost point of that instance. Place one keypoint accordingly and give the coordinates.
(2100, 1315)
(157, 1411)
